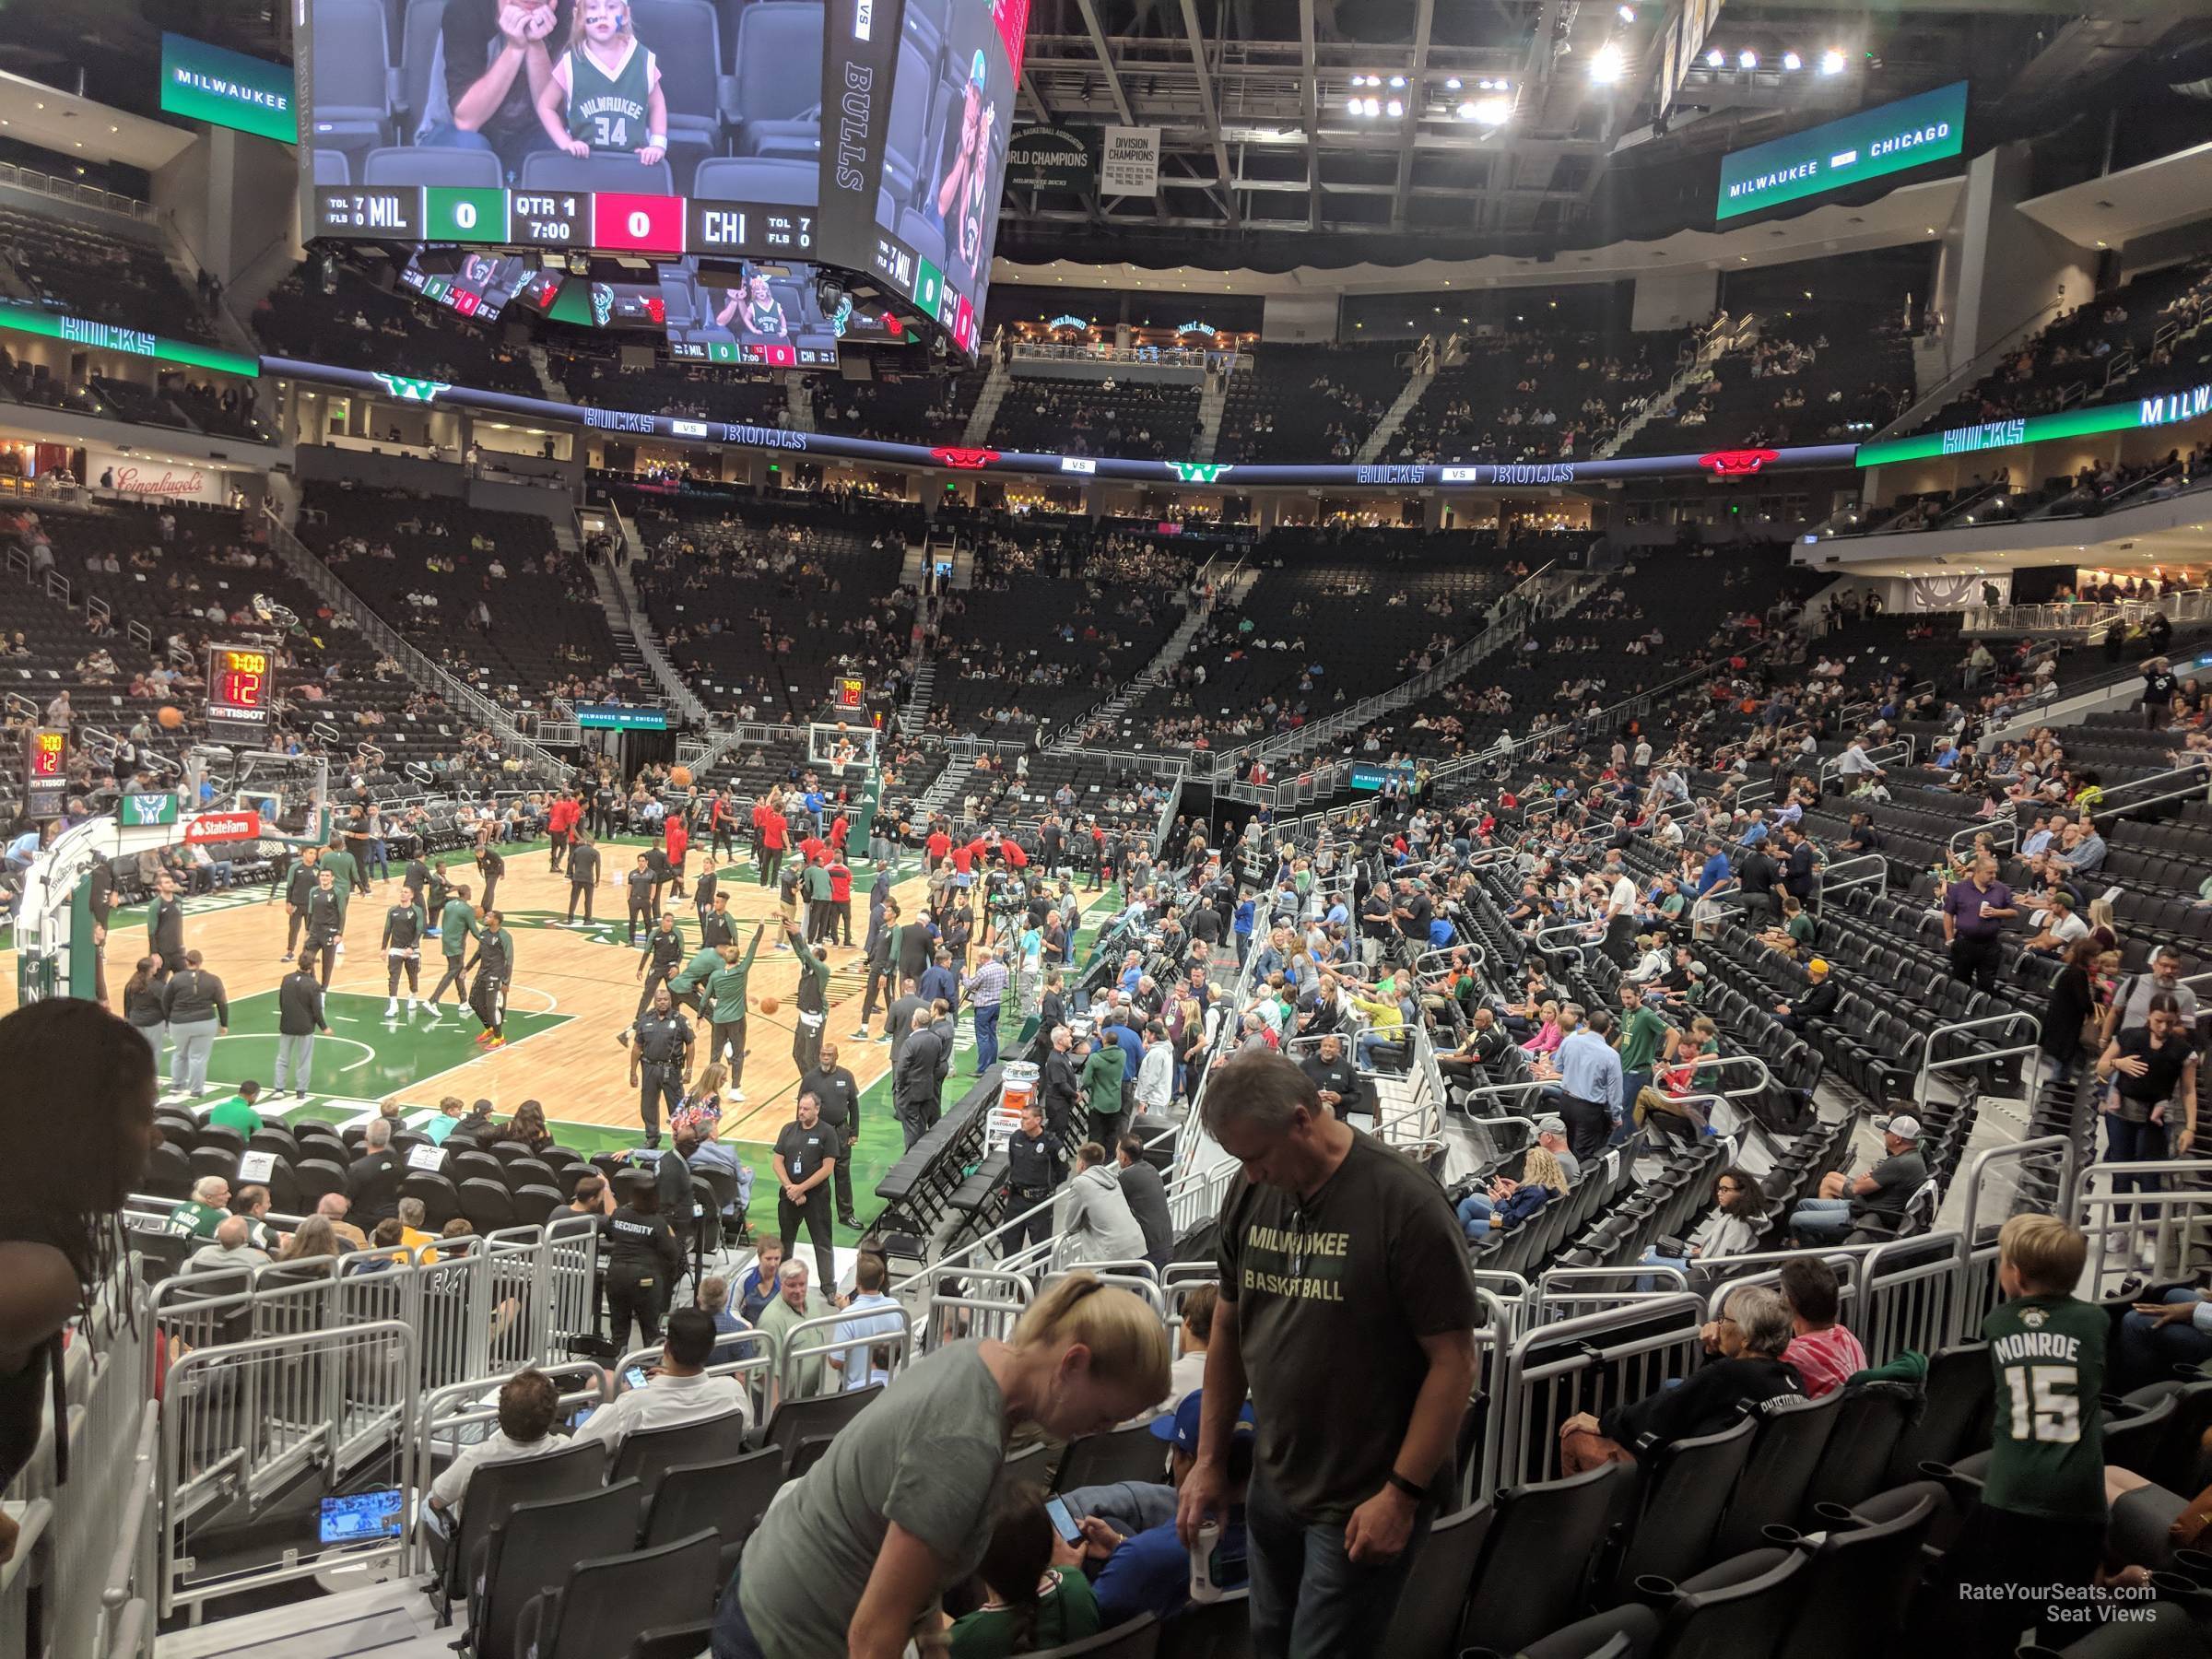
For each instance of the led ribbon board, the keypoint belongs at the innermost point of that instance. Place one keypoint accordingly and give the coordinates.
(2167, 408)
(228, 88)
(1929, 126)
(109, 336)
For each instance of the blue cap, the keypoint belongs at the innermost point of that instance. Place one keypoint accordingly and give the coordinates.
(977, 71)
(1180, 1427)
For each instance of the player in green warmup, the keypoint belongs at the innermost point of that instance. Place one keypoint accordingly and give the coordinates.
(457, 924)
(725, 990)
(687, 985)
(345, 876)
(813, 1000)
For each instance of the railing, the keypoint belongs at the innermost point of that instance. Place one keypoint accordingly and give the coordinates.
(462, 696)
(2084, 618)
(84, 196)
(2009, 1023)
(1869, 869)
(1897, 753)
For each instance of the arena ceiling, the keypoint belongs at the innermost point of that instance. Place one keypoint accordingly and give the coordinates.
(1496, 124)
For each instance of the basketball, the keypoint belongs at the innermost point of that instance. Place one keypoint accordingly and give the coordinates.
(680, 776)
(170, 717)
(768, 1005)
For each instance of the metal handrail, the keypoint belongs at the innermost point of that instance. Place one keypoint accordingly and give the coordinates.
(1928, 1064)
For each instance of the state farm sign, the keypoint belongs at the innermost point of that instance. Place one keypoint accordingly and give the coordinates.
(223, 827)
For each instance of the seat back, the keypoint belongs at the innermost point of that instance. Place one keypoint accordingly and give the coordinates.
(1687, 1492)
(687, 46)
(772, 37)
(1954, 1419)
(551, 170)
(1220, 1630)
(729, 1497)
(1118, 1455)
(528, 1551)
(495, 1489)
(1858, 1582)
(352, 57)
(1792, 1436)
(1855, 1462)
(608, 1602)
(650, 1453)
(1137, 1638)
(1427, 1623)
(796, 1420)
(1535, 1555)
(1739, 1621)
(413, 164)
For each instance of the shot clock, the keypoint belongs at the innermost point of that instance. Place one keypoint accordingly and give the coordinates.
(45, 771)
(241, 686)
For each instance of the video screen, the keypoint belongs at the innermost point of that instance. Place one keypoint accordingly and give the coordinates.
(769, 314)
(481, 285)
(670, 128)
(945, 156)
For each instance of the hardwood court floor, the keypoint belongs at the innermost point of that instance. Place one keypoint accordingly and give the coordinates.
(574, 989)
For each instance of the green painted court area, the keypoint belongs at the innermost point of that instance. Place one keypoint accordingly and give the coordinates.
(366, 1056)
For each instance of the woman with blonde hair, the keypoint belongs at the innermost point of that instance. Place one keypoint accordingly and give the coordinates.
(853, 1556)
(1508, 1202)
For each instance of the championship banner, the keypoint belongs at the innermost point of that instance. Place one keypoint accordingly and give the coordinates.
(1050, 157)
(1129, 164)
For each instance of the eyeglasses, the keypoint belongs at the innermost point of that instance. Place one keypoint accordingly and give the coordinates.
(1297, 1253)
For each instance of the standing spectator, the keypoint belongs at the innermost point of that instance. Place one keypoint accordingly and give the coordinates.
(1974, 913)
(1093, 1219)
(1330, 1245)
(2150, 1113)
(1592, 1096)
(1147, 1196)
(2041, 1523)
(871, 1315)
(897, 1510)
(198, 1011)
(985, 990)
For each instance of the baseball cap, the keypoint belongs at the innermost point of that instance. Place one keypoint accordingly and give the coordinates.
(1553, 1124)
(1904, 1125)
(1818, 965)
(1180, 1427)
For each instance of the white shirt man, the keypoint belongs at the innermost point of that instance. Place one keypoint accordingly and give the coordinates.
(679, 1392)
(528, 1403)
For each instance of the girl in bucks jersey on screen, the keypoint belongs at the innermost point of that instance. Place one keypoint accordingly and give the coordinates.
(605, 93)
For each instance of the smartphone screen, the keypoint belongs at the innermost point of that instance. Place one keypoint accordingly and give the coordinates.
(1063, 1521)
(635, 1376)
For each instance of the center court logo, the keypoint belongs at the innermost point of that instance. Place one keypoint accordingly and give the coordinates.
(1200, 471)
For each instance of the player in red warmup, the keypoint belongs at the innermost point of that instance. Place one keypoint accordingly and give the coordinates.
(676, 839)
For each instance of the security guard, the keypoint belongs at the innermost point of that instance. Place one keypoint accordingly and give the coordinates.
(839, 1094)
(642, 1261)
(638, 886)
(1036, 1165)
(664, 953)
(584, 875)
(404, 928)
(660, 1049)
(804, 1159)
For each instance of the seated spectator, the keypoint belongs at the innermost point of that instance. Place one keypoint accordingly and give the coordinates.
(414, 1219)
(313, 1239)
(1818, 1003)
(237, 1112)
(714, 1301)
(1508, 1203)
(528, 1404)
(200, 1215)
(2160, 1340)
(676, 1390)
(1826, 1355)
(870, 1316)
(1736, 1226)
(231, 1251)
(1881, 1193)
(333, 1208)
(1034, 1592)
(1749, 1338)
(1150, 1571)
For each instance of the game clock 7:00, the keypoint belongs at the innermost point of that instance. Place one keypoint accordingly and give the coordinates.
(238, 685)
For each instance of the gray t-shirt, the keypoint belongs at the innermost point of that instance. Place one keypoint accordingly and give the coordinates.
(1895, 1181)
(927, 1454)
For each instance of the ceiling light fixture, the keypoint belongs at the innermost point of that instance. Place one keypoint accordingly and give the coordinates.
(1792, 62)
(1747, 59)
(1831, 62)
(1607, 66)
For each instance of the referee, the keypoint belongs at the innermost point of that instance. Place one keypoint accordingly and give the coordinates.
(805, 1160)
(660, 1049)
(638, 888)
(583, 875)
